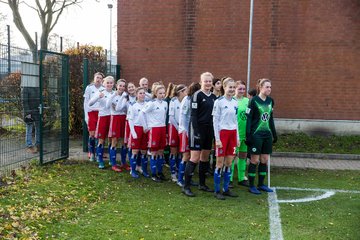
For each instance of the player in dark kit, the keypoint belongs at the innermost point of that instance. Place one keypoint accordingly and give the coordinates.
(201, 133)
(260, 134)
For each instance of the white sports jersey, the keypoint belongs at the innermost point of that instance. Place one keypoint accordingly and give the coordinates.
(117, 104)
(90, 91)
(184, 118)
(103, 110)
(224, 115)
(174, 110)
(134, 113)
(155, 112)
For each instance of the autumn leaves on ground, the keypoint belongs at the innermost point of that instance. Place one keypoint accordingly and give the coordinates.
(75, 200)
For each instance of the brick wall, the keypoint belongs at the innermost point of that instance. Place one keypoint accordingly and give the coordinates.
(309, 49)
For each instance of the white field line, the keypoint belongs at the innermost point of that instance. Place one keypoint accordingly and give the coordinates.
(308, 199)
(318, 190)
(274, 208)
(274, 217)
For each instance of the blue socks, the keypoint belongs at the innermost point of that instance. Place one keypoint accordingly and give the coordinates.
(227, 175)
(123, 155)
(160, 163)
(112, 153)
(144, 163)
(172, 162)
(153, 164)
(133, 162)
(92, 145)
(100, 152)
(181, 172)
(217, 180)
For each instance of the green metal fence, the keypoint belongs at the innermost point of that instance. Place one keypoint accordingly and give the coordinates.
(14, 151)
(54, 106)
(33, 107)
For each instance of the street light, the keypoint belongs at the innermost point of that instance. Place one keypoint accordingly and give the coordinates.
(110, 6)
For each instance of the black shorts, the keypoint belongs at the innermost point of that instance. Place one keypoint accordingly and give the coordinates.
(260, 145)
(204, 139)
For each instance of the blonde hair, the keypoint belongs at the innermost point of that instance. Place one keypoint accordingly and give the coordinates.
(261, 83)
(120, 81)
(206, 74)
(157, 88)
(109, 78)
(240, 82)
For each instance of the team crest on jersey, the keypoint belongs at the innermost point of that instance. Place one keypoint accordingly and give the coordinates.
(243, 115)
(173, 141)
(204, 100)
(236, 110)
(253, 149)
(226, 107)
(265, 117)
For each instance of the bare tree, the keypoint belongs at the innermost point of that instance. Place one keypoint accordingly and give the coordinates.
(2, 28)
(48, 11)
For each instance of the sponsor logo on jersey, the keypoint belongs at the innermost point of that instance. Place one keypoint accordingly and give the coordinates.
(204, 100)
(265, 117)
(194, 105)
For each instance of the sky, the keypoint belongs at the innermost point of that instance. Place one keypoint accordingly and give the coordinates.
(88, 23)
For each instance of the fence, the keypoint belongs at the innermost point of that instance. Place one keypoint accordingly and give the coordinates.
(13, 150)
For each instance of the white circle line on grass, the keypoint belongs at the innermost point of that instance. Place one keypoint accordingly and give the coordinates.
(318, 190)
(308, 199)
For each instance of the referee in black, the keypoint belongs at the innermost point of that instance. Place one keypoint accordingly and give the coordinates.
(201, 133)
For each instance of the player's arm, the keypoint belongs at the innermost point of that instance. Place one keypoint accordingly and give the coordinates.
(216, 113)
(272, 124)
(130, 117)
(172, 119)
(249, 117)
(194, 106)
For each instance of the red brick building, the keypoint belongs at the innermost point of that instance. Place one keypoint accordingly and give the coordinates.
(310, 49)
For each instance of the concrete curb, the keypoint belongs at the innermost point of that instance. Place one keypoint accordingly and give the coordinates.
(327, 156)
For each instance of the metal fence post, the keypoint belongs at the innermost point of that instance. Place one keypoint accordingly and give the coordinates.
(118, 71)
(9, 60)
(85, 83)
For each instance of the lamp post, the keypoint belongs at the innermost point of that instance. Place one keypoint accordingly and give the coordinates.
(110, 6)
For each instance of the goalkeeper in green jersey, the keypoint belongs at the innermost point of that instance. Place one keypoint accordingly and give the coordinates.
(241, 151)
(260, 134)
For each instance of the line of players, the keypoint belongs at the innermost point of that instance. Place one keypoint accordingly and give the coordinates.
(146, 123)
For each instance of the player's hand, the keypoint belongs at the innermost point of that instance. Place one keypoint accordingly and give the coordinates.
(248, 142)
(101, 95)
(238, 143)
(218, 144)
(134, 136)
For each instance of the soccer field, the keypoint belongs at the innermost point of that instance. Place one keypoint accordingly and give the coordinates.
(78, 201)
